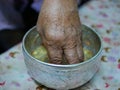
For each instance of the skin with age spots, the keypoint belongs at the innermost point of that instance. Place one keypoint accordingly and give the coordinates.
(60, 30)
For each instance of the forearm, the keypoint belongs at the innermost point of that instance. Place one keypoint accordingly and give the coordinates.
(61, 4)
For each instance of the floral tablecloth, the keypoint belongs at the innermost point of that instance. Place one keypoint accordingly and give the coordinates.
(104, 17)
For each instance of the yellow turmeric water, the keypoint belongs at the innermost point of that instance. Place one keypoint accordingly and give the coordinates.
(40, 53)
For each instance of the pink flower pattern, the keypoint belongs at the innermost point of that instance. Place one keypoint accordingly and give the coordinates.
(101, 15)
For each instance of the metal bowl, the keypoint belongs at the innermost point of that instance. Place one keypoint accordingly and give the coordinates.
(62, 76)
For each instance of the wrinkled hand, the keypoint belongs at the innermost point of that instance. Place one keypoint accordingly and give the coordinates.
(61, 35)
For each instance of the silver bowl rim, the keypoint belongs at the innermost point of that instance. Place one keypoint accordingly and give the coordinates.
(59, 65)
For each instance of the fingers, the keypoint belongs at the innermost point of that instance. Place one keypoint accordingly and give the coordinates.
(55, 55)
(70, 51)
(80, 49)
(80, 52)
(71, 55)
(74, 51)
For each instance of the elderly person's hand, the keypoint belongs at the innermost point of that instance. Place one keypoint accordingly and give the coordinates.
(60, 29)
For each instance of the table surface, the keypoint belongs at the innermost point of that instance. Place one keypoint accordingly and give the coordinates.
(104, 17)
